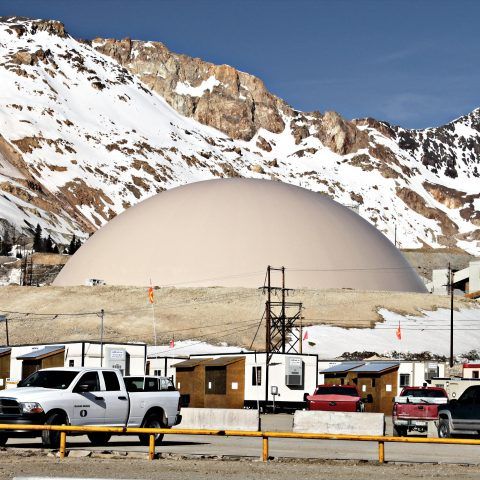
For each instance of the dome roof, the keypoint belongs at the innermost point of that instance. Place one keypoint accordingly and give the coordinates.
(225, 233)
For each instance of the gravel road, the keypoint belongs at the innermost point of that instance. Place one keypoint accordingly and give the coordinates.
(15, 465)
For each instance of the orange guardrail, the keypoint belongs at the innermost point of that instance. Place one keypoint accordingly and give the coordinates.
(265, 436)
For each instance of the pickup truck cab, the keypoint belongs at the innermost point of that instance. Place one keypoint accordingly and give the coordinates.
(415, 407)
(88, 396)
(335, 398)
(461, 416)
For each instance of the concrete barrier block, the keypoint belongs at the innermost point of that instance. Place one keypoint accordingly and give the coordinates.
(338, 423)
(219, 419)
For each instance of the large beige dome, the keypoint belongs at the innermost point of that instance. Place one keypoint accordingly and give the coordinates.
(225, 233)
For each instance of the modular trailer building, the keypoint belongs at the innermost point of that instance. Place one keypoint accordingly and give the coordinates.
(245, 379)
(130, 358)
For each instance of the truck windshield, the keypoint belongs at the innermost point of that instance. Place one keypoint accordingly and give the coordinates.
(334, 390)
(423, 392)
(55, 379)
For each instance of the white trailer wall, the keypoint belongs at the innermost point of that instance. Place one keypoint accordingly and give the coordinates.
(92, 355)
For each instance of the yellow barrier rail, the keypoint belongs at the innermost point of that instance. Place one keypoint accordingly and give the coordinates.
(265, 436)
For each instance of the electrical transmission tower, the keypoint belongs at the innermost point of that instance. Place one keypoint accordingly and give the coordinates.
(282, 336)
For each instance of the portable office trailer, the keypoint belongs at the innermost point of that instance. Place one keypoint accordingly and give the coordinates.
(470, 370)
(4, 366)
(282, 384)
(416, 373)
(130, 358)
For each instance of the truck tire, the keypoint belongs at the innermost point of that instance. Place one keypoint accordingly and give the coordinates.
(444, 428)
(399, 431)
(152, 421)
(3, 439)
(99, 438)
(51, 439)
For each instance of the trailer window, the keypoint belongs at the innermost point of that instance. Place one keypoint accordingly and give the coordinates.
(256, 376)
(404, 380)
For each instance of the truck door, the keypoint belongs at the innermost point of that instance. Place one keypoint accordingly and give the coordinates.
(465, 411)
(116, 400)
(88, 401)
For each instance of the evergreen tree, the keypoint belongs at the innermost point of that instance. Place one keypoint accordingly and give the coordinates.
(55, 249)
(6, 244)
(78, 244)
(37, 239)
(49, 244)
(71, 247)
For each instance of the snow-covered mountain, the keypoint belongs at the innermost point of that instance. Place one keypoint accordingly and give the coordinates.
(88, 128)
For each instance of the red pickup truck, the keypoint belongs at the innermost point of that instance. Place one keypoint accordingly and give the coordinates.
(335, 398)
(415, 407)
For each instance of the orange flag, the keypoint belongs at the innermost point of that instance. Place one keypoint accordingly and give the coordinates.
(150, 294)
(399, 331)
(172, 342)
(305, 336)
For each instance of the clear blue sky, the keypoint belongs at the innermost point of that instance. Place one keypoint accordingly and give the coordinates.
(415, 63)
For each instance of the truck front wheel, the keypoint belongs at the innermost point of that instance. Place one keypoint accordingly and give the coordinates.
(51, 438)
(152, 421)
(3, 439)
(99, 438)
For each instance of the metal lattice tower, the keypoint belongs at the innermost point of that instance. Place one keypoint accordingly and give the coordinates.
(282, 336)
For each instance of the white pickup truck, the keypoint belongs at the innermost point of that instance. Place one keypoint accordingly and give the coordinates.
(88, 396)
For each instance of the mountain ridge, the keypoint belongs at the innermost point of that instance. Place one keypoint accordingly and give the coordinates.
(120, 120)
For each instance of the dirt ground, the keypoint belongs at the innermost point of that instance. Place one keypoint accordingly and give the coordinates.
(216, 315)
(16, 465)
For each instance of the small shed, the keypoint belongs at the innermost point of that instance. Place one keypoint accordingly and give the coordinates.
(225, 382)
(378, 379)
(4, 366)
(190, 381)
(46, 357)
(337, 374)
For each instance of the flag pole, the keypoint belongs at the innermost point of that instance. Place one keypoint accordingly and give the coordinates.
(152, 302)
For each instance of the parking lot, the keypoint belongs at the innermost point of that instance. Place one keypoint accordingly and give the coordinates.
(250, 448)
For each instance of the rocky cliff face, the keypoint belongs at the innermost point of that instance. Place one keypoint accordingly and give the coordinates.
(89, 128)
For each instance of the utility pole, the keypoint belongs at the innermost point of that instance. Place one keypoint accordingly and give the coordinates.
(395, 234)
(267, 311)
(102, 313)
(450, 284)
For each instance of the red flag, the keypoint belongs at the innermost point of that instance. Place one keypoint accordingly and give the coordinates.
(399, 331)
(305, 335)
(172, 342)
(150, 294)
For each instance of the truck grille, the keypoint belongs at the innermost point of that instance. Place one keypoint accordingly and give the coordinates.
(9, 406)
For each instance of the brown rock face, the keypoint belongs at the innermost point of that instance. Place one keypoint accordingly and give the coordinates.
(341, 136)
(417, 203)
(238, 104)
